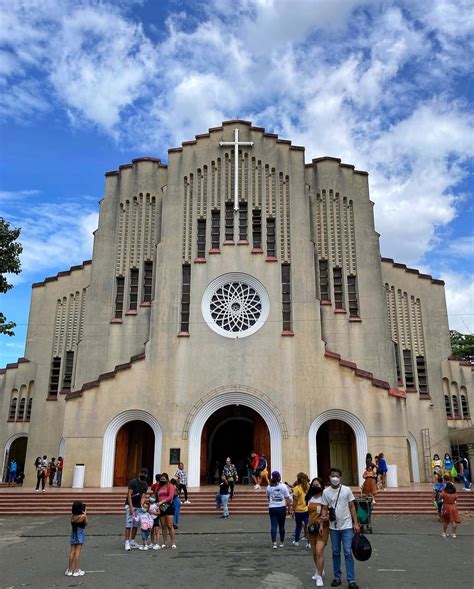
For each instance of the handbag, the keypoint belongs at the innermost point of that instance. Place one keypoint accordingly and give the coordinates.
(164, 506)
(314, 528)
(454, 472)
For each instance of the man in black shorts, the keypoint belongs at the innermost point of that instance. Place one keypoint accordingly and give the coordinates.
(136, 489)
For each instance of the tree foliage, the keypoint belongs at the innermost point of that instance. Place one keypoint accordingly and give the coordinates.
(462, 345)
(10, 250)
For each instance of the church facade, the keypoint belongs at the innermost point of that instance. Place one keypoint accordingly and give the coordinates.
(236, 300)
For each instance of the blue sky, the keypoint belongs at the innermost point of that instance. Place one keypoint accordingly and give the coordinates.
(385, 85)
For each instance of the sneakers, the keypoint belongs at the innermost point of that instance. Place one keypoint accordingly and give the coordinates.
(163, 545)
(127, 545)
(353, 585)
(156, 547)
(175, 527)
(187, 502)
(78, 573)
(145, 547)
(173, 546)
(336, 583)
(281, 545)
(295, 543)
(274, 546)
(68, 573)
(133, 544)
(319, 581)
(257, 487)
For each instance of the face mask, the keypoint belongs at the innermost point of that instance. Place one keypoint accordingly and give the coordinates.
(316, 490)
(143, 477)
(335, 481)
(152, 500)
(162, 483)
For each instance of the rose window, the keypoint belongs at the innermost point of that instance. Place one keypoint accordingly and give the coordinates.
(235, 305)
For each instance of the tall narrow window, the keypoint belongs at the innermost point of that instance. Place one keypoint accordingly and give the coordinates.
(422, 375)
(12, 411)
(133, 290)
(229, 222)
(271, 238)
(21, 410)
(338, 288)
(324, 280)
(447, 406)
(201, 239)
(456, 406)
(257, 229)
(397, 363)
(28, 409)
(465, 407)
(352, 296)
(286, 297)
(408, 366)
(68, 370)
(215, 230)
(243, 223)
(119, 293)
(147, 281)
(54, 376)
(185, 298)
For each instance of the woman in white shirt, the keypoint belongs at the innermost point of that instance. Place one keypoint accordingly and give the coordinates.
(278, 501)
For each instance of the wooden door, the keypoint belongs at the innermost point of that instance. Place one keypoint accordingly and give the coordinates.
(121, 451)
(340, 443)
(261, 439)
(204, 471)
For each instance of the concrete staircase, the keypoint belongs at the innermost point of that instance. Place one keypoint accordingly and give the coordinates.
(18, 501)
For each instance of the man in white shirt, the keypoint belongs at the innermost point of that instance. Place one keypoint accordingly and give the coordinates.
(338, 507)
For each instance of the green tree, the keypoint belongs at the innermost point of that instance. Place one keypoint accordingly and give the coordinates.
(462, 345)
(10, 251)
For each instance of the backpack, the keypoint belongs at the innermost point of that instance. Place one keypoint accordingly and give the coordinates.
(262, 464)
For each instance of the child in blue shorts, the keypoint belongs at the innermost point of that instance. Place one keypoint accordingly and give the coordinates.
(78, 523)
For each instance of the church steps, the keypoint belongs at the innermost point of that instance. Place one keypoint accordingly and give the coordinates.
(58, 502)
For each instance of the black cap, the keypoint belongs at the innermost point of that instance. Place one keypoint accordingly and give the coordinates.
(144, 470)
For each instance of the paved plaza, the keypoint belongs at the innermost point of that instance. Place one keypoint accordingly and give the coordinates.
(214, 553)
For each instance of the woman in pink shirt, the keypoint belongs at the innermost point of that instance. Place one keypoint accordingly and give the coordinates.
(165, 496)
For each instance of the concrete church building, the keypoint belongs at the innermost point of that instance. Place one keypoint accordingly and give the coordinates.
(236, 300)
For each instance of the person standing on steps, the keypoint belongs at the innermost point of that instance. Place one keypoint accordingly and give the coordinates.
(52, 468)
(133, 503)
(41, 466)
(12, 473)
(231, 474)
(338, 508)
(59, 471)
(182, 478)
(255, 462)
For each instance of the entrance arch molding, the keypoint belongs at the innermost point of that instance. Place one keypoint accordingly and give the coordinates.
(224, 399)
(110, 436)
(6, 451)
(415, 465)
(357, 427)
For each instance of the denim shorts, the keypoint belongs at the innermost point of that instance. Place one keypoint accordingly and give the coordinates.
(130, 522)
(77, 536)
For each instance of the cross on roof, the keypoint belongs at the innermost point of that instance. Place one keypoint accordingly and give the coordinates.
(236, 144)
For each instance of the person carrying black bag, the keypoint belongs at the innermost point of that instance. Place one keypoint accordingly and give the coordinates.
(338, 508)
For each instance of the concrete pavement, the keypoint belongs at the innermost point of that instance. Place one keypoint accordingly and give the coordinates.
(227, 554)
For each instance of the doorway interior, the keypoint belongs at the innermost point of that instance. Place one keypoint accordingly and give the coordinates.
(17, 451)
(234, 431)
(134, 448)
(336, 446)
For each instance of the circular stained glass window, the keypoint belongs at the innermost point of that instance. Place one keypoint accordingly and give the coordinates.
(235, 305)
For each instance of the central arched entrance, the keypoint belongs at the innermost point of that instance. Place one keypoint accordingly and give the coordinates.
(134, 448)
(235, 431)
(208, 406)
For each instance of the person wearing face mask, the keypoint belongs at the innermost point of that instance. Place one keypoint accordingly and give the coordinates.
(317, 539)
(153, 510)
(338, 508)
(133, 502)
(165, 497)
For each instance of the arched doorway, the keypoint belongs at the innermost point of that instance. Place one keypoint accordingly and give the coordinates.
(134, 439)
(235, 431)
(134, 448)
(413, 465)
(15, 448)
(340, 442)
(207, 406)
(336, 446)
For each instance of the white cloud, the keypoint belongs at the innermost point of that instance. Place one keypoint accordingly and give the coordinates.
(463, 247)
(14, 195)
(54, 236)
(460, 301)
